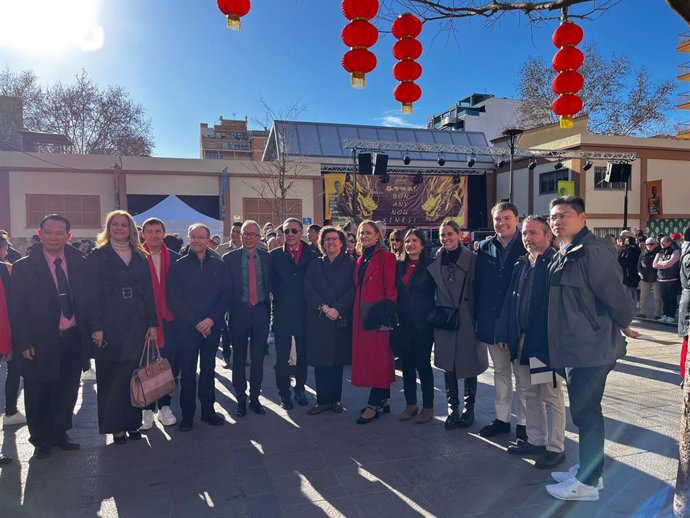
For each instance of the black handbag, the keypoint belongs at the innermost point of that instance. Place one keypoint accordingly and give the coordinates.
(443, 317)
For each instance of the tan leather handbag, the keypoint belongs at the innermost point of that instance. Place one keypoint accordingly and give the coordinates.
(153, 379)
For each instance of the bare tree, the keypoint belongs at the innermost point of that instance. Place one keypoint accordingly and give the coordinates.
(280, 169)
(535, 10)
(97, 121)
(617, 99)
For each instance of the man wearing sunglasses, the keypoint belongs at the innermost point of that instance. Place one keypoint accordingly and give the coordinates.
(288, 269)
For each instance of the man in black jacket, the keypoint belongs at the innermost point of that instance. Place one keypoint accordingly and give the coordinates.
(198, 291)
(46, 312)
(648, 282)
(522, 330)
(288, 268)
(495, 259)
(249, 269)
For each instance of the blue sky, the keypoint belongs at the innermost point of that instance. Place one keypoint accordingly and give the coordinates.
(178, 59)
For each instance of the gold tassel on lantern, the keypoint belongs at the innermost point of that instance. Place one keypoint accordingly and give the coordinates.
(406, 108)
(357, 80)
(566, 122)
(234, 22)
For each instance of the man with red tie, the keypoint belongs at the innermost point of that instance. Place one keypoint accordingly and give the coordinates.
(288, 268)
(249, 271)
(46, 293)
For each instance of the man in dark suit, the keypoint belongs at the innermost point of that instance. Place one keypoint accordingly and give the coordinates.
(198, 295)
(249, 270)
(46, 293)
(288, 268)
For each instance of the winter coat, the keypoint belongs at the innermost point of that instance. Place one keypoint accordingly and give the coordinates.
(628, 259)
(645, 266)
(684, 305)
(331, 284)
(372, 360)
(458, 350)
(588, 305)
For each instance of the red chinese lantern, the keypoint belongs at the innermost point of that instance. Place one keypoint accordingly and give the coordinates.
(234, 10)
(407, 49)
(569, 81)
(359, 35)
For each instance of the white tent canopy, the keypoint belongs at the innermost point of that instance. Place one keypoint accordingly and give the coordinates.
(177, 217)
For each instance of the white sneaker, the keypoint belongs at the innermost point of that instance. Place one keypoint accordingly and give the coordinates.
(147, 419)
(89, 375)
(562, 476)
(573, 489)
(166, 416)
(14, 419)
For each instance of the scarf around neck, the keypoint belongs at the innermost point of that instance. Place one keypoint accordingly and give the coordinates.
(159, 291)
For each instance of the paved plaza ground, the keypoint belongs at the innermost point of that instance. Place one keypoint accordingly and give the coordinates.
(289, 464)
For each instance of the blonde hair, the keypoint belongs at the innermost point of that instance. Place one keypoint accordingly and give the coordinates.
(103, 238)
(377, 229)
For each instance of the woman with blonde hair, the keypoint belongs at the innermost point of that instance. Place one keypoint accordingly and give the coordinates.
(373, 318)
(121, 315)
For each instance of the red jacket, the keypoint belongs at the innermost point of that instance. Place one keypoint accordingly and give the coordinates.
(372, 361)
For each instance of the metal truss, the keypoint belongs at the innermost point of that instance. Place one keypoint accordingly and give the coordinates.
(435, 171)
(494, 152)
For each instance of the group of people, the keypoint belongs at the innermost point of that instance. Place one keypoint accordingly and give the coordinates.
(546, 302)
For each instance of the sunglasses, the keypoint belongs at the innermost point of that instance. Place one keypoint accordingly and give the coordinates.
(292, 231)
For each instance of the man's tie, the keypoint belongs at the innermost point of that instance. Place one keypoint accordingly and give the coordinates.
(251, 272)
(63, 290)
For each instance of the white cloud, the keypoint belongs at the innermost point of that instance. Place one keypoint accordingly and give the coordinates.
(396, 121)
(50, 26)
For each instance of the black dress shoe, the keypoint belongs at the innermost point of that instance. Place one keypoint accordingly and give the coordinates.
(467, 418)
(4, 459)
(337, 408)
(256, 407)
(215, 419)
(241, 409)
(186, 425)
(68, 445)
(525, 448)
(301, 398)
(134, 436)
(41, 452)
(496, 427)
(521, 432)
(453, 420)
(367, 420)
(549, 459)
(122, 439)
(286, 402)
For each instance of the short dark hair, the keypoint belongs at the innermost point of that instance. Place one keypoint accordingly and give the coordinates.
(173, 241)
(152, 221)
(574, 202)
(541, 219)
(237, 224)
(504, 205)
(328, 229)
(292, 220)
(315, 227)
(55, 217)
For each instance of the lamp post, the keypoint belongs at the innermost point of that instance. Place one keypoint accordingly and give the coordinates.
(513, 135)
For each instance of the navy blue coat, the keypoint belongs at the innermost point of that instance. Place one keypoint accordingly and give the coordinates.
(287, 285)
(491, 283)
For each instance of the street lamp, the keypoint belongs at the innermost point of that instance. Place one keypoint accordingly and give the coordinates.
(513, 135)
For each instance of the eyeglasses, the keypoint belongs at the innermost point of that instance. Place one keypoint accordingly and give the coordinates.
(250, 234)
(559, 216)
(292, 230)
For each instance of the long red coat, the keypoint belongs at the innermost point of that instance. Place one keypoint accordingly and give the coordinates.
(372, 360)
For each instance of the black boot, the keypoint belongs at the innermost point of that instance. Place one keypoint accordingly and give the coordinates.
(467, 417)
(453, 420)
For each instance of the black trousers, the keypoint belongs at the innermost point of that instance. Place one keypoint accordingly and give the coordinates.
(378, 395)
(415, 353)
(249, 328)
(329, 384)
(283, 346)
(193, 348)
(170, 353)
(669, 296)
(50, 404)
(12, 387)
(585, 391)
(452, 395)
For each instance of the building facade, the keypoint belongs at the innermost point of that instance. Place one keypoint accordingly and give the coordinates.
(231, 140)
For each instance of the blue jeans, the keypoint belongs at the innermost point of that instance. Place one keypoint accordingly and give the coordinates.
(585, 390)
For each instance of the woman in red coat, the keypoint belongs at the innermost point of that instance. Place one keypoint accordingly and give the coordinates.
(373, 318)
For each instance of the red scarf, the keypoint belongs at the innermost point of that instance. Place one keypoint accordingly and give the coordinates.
(5, 331)
(159, 291)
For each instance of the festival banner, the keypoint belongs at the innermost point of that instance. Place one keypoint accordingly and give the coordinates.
(400, 202)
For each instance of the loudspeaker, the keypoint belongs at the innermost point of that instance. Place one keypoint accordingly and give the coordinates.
(364, 163)
(380, 164)
(475, 198)
(617, 172)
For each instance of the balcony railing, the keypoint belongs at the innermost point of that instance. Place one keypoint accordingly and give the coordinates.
(684, 72)
(684, 42)
(684, 101)
(683, 130)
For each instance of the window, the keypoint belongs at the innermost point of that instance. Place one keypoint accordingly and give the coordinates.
(83, 211)
(261, 211)
(600, 184)
(548, 182)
